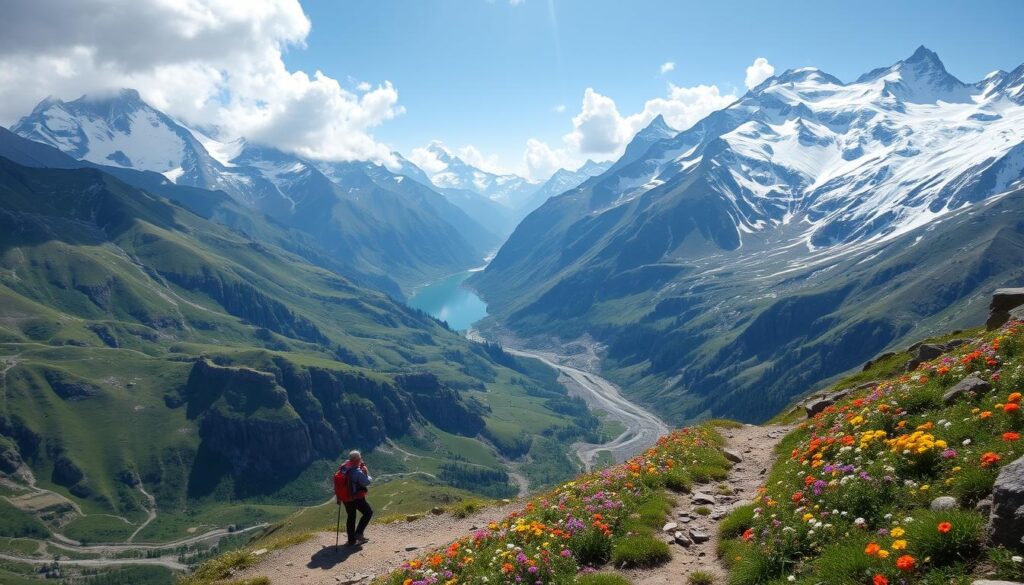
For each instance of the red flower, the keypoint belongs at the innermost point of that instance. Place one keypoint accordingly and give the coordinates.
(989, 459)
(1011, 436)
(797, 497)
(879, 580)
(748, 534)
(945, 527)
(906, 563)
(1011, 407)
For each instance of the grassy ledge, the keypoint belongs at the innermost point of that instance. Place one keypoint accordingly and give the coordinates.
(606, 517)
(850, 499)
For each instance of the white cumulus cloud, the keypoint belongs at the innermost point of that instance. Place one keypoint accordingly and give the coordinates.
(758, 71)
(667, 67)
(214, 63)
(601, 129)
(541, 161)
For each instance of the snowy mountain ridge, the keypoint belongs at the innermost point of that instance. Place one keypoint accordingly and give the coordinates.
(866, 160)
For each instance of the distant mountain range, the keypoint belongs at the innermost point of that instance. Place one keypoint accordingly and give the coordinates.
(499, 202)
(810, 213)
(387, 231)
(163, 344)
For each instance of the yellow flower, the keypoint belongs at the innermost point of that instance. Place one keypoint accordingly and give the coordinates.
(883, 554)
(897, 532)
(899, 544)
(808, 517)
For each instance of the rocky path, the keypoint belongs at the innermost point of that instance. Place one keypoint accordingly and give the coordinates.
(756, 448)
(317, 562)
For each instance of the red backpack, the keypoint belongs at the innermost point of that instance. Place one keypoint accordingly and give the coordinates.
(342, 490)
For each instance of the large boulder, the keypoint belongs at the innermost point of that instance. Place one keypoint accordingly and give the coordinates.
(816, 405)
(970, 384)
(1004, 300)
(1006, 522)
(924, 352)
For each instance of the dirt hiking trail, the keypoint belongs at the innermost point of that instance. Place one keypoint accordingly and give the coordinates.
(317, 562)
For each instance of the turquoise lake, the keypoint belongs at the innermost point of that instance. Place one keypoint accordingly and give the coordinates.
(448, 300)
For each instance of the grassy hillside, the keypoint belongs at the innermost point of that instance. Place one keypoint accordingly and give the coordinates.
(850, 499)
(145, 350)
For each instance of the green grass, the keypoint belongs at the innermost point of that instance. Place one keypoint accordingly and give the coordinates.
(640, 551)
(700, 578)
(601, 579)
(18, 523)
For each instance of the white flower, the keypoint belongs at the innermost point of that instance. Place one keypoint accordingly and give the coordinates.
(1017, 559)
(859, 522)
(966, 442)
(791, 579)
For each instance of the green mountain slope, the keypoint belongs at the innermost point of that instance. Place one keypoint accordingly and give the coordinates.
(148, 350)
(697, 335)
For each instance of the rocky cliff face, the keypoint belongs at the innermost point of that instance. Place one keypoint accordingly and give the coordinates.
(284, 416)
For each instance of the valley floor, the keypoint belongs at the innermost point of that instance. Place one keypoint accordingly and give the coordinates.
(317, 562)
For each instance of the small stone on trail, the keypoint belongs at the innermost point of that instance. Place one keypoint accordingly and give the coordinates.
(699, 536)
(411, 547)
(669, 527)
(702, 498)
(763, 471)
(681, 539)
(732, 455)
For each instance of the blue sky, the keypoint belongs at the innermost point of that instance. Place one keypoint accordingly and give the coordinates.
(490, 74)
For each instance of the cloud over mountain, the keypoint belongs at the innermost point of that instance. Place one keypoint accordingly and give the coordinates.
(216, 64)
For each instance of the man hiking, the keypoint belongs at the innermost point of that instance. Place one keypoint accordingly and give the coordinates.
(350, 485)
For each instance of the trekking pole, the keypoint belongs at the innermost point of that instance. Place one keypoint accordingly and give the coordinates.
(337, 532)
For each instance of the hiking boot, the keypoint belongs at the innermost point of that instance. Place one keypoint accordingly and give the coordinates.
(362, 539)
(353, 542)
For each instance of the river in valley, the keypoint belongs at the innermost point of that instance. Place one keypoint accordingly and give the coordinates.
(448, 300)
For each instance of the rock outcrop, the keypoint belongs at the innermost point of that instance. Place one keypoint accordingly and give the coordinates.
(1006, 521)
(971, 385)
(1004, 300)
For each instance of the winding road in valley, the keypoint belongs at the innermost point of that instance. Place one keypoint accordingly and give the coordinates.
(642, 426)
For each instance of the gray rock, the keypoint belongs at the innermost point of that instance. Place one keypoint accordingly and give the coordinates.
(943, 503)
(681, 538)
(984, 506)
(991, 582)
(702, 498)
(925, 352)
(699, 536)
(732, 455)
(1006, 522)
(669, 527)
(1003, 301)
(819, 404)
(411, 548)
(969, 384)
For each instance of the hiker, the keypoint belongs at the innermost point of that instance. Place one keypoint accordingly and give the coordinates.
(350, 486)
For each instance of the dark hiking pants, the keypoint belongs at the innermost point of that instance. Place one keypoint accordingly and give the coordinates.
(351, 508)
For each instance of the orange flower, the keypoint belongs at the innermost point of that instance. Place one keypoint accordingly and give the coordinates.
(1011, 407)
(507, 568)
(1014, 398)
(945, 527)
(748, 534)
(879, 580)
(984, 415)
(989, 458)
(872, 549)
(1010, 436)
(906, 563)
(797, 496)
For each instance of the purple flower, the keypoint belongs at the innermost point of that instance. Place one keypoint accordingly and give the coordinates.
(949, 454)
(533, 569)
